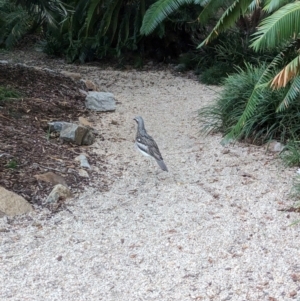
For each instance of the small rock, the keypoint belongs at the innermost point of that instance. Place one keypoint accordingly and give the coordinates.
(114, 122)
(83, 173)
(55, 126)
(274, 146)
(73, 75)
(180, 68)
(58, 192)
(3, 62)
(51, 177)
(83, 161)
(91, 86)
(12, 204)
(100, 101)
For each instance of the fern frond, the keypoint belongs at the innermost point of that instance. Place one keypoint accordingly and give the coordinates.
(292, 95)
(282, 25)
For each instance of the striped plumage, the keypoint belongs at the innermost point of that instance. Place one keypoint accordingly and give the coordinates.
(146, 144)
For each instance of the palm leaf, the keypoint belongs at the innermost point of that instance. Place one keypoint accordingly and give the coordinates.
(228, 19)
(272, 5)
(280, 26)
(292, 95)
(209, 9)
(107, 17)
(93, 5)
(286, 74)
(254, 5)
(253, 101)
(161, 9)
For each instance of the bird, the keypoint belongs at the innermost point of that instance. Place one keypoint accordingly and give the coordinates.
(146, 144)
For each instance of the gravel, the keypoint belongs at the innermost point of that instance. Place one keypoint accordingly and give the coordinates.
(210, 229)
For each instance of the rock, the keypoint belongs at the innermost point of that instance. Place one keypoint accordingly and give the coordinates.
(55, 126)
(83, 121)
(73, 133)
(88, 139)
(3, 62)
(91, 86)
(180, 68)
(51, 177)
(83, 173)
(73, 75)
(100, 101)
(58, 192)
(274, 146)
(12, 204)
(83, 161)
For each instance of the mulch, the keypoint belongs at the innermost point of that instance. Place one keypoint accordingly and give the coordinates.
(26, 148)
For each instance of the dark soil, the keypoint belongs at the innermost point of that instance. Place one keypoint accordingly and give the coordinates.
(26, 148)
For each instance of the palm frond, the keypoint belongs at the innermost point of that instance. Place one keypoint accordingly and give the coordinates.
(272, 5)
(286, 74)
(160, 10)
(292, 95)
(254, 5)
(107, 17)
(282, 25)
(253, 100)
(209, 9)
(228, 19)
(45, 9)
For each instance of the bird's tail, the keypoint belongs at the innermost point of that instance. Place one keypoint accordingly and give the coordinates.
(162, 165)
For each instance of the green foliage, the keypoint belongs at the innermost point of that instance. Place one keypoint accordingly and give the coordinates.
(14, 23)
(7, 95)
(159, 11)
(12, 164)
(284, 21)
(295, 192)
(216, 74)
(264, 123)
(291, 153)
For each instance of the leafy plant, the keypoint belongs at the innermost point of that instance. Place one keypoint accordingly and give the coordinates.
(291, 153)
(12, 164)
(8, 95)
(265, 123)
(216, 74)
(14, 23)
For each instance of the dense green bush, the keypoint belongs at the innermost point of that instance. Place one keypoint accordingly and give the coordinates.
(265, 124)
(15, 22)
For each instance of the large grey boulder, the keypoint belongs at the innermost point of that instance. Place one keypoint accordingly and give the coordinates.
(12, 204)
(100, 101)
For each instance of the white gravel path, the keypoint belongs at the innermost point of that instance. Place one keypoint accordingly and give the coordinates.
(209, 229)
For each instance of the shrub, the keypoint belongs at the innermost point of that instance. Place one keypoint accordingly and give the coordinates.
(265, 124)
(216, 74)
